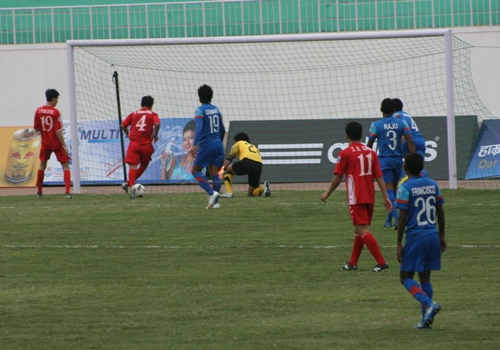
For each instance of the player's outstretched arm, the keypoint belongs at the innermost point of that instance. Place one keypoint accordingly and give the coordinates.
(222, 172)
(369, 144)
(333, 185)
(125, 130)
(383, 189)
(401, 231)
(60, 136)
(156, 132)
(411, 144)
(441, 226)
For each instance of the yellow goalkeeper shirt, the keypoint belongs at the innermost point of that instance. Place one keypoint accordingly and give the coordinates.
(243, 150)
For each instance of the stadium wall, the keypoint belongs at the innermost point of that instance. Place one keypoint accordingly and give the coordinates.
(28, 70)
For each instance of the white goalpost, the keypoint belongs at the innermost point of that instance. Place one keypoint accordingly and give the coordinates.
(291, 93)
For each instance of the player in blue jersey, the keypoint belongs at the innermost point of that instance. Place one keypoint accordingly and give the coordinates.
(420, 205)
(416, 136)
(207, 145)
(389, 132)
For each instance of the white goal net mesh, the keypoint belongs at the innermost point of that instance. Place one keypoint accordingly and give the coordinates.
(293, 98)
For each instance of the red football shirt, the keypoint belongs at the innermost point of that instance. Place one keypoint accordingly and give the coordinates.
(48, 121)
(361, 167)
(141, 124)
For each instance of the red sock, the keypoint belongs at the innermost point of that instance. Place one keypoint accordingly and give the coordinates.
(357, 248)
(372, 245)
(140, 171)
(39, 180)
(67, 180)
(132, 175)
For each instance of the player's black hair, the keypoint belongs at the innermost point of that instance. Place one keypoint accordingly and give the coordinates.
(354, 130)
(398, 104)
(241, 136)
(387, 106)
(205, 93)
(414, 163)
(147, 101)
(51, 94)
(190, 125)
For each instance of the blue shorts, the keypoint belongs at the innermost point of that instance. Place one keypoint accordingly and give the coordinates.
(422, 254)
(209, 154)
(391, 168)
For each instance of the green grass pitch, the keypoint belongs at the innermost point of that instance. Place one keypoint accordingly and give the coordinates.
(161, 272)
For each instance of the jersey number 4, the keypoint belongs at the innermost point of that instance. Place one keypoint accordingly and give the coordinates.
(141, 124)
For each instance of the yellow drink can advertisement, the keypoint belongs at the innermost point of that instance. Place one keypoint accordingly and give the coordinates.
(20, 147)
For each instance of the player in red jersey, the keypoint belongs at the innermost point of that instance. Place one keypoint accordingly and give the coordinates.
(360, 166)
(49, 123)
(144, 128)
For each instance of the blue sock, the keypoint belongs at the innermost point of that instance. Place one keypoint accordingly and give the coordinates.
(416, 291)
(394, 211)
(203, 182)
(217, 184)
(427, 288)
(388, 220)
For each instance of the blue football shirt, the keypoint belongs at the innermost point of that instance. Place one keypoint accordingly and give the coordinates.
(209, 126)
(419, 196)
(416, 135)
(388, 132)
(415, 132)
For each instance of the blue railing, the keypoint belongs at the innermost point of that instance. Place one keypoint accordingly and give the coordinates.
(232, 18)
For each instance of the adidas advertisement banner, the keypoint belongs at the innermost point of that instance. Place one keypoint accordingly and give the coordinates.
(306, 150)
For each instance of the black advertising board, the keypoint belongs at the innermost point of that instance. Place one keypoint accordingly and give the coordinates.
(306, 150)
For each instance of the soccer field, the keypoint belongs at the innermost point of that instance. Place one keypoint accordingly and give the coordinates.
(161, 272)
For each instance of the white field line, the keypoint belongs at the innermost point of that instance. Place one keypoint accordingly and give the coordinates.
(32, 246)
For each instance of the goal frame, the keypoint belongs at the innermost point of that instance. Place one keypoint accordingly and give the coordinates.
(448, 49)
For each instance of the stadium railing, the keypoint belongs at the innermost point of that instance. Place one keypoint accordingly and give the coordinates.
(236, 18)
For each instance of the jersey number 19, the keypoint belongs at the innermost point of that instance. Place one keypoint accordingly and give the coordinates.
(214, 123)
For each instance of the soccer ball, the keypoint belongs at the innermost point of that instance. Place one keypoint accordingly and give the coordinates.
(139, 190)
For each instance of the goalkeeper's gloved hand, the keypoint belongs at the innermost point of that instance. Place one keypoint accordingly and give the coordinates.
(221, 172)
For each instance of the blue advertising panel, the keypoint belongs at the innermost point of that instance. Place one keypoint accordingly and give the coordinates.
(485, 161)
(101, 160)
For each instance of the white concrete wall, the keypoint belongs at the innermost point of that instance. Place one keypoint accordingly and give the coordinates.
(28, 70)
(485, 63)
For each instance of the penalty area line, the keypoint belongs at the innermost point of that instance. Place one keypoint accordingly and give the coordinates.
(281, 246)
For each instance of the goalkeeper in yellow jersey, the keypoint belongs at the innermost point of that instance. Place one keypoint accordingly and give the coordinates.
(250, 164)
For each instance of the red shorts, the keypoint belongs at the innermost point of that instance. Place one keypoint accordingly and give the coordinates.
(139, 154)
(361, 214)
(46, 151)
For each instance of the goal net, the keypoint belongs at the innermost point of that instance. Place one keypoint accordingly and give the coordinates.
(292, 94)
